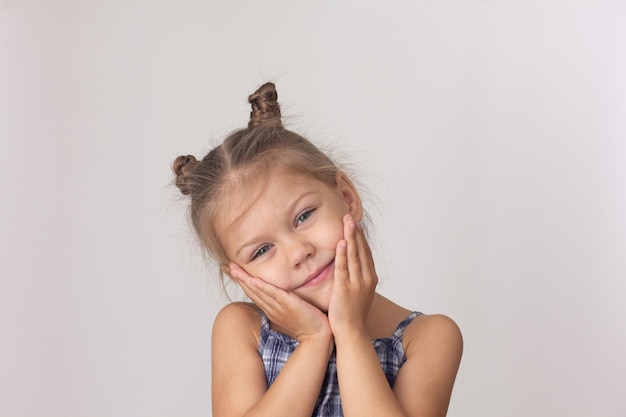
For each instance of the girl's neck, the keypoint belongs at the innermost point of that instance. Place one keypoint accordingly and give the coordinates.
(384, 317)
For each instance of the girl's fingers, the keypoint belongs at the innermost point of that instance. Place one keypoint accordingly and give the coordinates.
(259, 291)
(344, 262)
(352, 289)
(253, 293)
(359, 256)
(353, 248)
(367, 262)
(341, 262)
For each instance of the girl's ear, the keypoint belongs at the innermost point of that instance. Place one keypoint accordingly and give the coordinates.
(350, 196)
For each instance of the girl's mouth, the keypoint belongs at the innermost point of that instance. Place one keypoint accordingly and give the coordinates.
(319, 276)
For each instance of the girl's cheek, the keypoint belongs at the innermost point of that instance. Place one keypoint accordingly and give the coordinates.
(270, 275)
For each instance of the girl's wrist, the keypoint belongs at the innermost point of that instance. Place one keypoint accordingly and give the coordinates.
(347, 334)
(321, 340)
(321, 336)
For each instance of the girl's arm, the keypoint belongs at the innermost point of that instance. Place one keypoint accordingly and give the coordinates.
(433, 347)
(239, 386)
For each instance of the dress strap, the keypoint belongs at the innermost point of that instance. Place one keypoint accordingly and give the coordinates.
(404, 323)
(265, 322)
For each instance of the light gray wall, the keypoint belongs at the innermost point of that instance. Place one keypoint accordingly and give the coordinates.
(493, 134)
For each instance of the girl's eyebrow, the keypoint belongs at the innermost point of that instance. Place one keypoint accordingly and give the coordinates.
(290, 209)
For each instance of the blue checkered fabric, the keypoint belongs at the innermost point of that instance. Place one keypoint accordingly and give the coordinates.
(275, 348)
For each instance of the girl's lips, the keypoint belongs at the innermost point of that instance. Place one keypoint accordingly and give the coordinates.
(320, 277)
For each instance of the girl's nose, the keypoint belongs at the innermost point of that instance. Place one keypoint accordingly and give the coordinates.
(299, 251)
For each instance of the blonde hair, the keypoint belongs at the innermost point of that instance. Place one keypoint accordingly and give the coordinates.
(241, 160)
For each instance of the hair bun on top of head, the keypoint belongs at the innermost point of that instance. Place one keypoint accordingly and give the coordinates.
(183, 168)
(265, 107)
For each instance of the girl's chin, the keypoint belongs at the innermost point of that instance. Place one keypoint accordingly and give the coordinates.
(320, 299)
(320, 304)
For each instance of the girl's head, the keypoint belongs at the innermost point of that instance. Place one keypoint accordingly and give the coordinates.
(270, 201)
(235, 175)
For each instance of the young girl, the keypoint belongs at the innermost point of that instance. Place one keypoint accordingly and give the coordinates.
(283, 221)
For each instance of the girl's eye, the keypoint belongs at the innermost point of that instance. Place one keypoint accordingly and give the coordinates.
(304, 216)
(261, 251)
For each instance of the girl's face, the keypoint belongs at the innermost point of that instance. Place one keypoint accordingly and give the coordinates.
(288, 237)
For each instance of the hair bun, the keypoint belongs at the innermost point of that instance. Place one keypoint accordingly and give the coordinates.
(183, 168)
(265, 107)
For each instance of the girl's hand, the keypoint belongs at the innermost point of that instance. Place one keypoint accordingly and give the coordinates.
(288, 313)
(354, 283)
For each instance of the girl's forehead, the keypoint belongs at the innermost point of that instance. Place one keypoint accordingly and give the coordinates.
(236, 202)
(268, 194)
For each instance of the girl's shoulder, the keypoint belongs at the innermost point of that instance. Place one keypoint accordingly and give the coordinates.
(238, 320)
(432, 333)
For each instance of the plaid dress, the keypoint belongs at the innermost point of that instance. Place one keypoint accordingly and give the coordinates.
(275, 348)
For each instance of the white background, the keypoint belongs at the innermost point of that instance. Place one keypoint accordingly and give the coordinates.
(492, 133)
